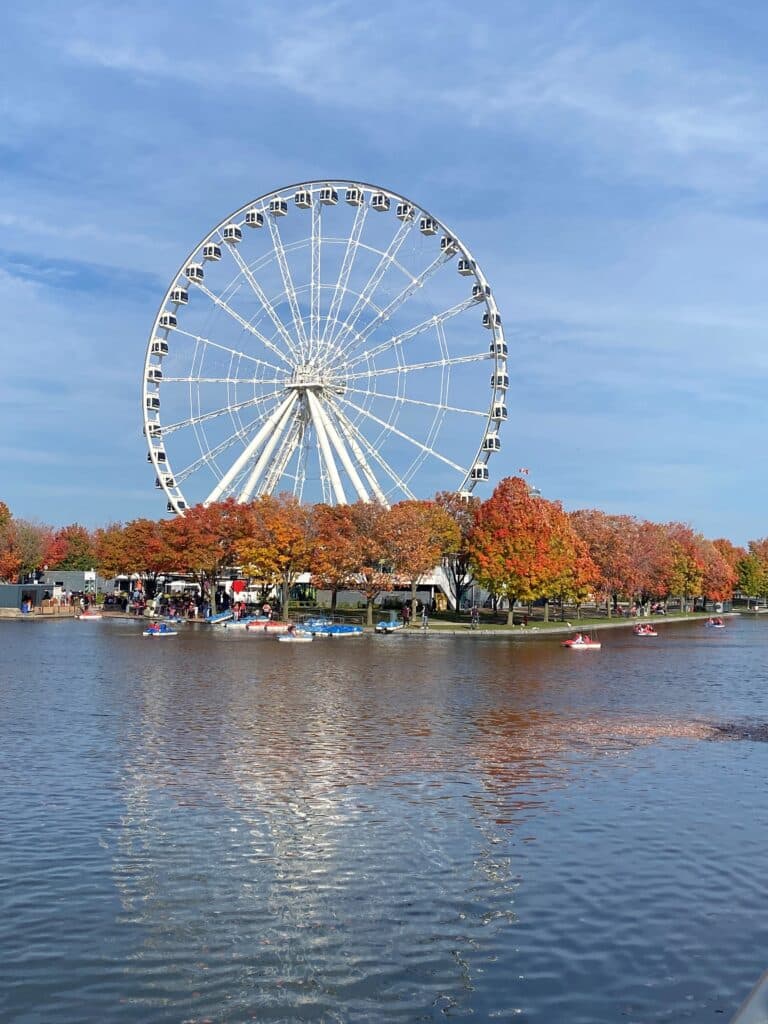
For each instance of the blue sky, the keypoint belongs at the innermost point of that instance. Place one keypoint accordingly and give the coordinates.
(605, 162)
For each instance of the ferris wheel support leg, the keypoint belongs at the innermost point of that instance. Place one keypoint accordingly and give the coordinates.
(362, 462)
(341, 450)
(266, 454)
(249, 451)
(325, 447)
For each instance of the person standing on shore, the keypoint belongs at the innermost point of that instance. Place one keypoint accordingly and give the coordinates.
(405, 614)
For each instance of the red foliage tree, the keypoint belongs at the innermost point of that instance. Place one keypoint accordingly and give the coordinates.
(417, 534)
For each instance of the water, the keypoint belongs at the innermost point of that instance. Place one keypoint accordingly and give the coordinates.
(222, 828)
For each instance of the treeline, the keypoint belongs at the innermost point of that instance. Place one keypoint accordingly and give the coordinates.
(516, 545)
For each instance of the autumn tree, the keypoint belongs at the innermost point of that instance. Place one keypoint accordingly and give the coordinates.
(752, 575)
(10, 560)
(276, 541)
(611, 542)
(456, 564)
(335, 549)
(371, 573)
(203, 541)
(719, 576)
(70, 547)
(516, 544)
(111, 558)
(417, 534)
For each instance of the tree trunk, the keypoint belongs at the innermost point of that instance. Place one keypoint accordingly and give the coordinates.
(286, 597)
(414, 585)
(369, 612)
(511, 615)
(334, 595)
(546, 610)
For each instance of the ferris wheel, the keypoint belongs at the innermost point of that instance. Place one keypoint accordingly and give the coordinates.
(331, 339)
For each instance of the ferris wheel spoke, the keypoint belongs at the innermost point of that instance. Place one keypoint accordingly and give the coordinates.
(280, 464)
(342, 282)
(326, 448)
(399, 339)
(358, 441)
(223, 410)
(386, 260)
(415, 401)
(401, 433)
(226, 348)
(432, 364)
(290, 291)
(338, 445)
(314, 283)
(269, 435)
(224, 305)
(208, 457)
(226, 380)
(418, 282)
(248, 453)
(263, 298)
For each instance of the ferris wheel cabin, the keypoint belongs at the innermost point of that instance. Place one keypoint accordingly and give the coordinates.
(232, 234)
(303, 199)
(404, 211)
(466, 267)
(499, 413)
(499, 347)
(380, 202)
(491, 443)
(480, 292)
(159, 347)
(278, 207)
(152, 403)
(449, 245)
(479, 472)
(500, 380)
(491, 320)
(254, 218)
(354, 196)
(167, 481)
(180, 296)
(167, 320)
(154, 374)
(211, 251)
(329, 196)
(427, 226)
(194, 272)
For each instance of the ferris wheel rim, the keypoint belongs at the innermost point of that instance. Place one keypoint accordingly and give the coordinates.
(481, 455)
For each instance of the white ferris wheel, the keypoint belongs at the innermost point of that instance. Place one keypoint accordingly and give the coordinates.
(331, 339)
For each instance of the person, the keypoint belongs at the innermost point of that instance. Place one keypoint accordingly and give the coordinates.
(424, 617)
(587, 638)
(578, 638)
(405, 614)
(475, 616)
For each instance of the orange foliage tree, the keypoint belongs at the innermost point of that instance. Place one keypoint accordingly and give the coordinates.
(110, 551)
(417, 534)
(276, 542)
(70, 547)
(611, 542)
(335, 549)
(10, 559)
(371, 572)
(521, 546)
(203, 540)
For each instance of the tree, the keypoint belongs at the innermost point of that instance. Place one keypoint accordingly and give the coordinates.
(416, 535)
(752, 576)
(10, 559)
(719, 576)
(335, 549)
(371, 575)
(70, 547)
(276, 541)
(516, 544)
(147, 549)
(203, 540)
(457, 563)
(111, 557)
(611, 542)
(32, 541)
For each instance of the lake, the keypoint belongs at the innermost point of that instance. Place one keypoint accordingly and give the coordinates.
(221, 828)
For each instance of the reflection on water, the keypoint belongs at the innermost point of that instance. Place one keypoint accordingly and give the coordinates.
(396, 829)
